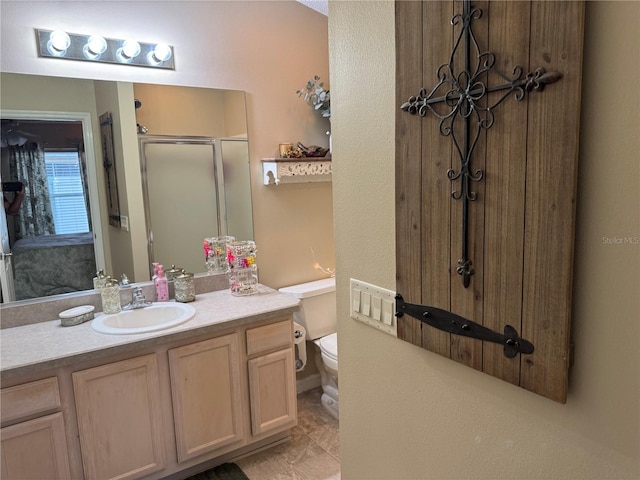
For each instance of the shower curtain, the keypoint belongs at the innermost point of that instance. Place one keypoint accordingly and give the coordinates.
(27, 165)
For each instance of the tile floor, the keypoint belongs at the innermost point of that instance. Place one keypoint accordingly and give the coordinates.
(312, 453)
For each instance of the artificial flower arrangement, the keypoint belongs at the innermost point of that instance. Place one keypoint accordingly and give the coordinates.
(241, 254)
(315, 95)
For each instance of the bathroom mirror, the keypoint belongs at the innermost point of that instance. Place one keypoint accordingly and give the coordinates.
(162, 112)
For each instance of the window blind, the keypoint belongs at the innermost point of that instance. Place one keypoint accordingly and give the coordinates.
(66, 191)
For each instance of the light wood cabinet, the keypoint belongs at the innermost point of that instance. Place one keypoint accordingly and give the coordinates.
(33, 438)
(272, 392)
(36, 449)
(207, 396)
(119, 419)
(272, 382)
(173, 406)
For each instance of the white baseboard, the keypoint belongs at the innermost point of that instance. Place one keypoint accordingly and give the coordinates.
(307, 383)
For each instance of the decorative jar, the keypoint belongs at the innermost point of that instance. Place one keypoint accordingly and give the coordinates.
(243, 281)
(110, 295)
(99, 280)
(243, 271)
(241, 254)
(185, 288)
(215, 254)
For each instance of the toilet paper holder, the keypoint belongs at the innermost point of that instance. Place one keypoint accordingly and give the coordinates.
(300, 341)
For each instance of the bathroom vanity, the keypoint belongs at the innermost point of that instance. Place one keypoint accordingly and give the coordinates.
(81, 404)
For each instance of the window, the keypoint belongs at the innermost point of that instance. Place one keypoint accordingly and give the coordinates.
(66, 190)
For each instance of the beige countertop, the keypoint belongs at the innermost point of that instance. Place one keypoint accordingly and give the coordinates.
(46, 345)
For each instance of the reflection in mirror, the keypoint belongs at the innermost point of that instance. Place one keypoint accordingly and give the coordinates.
(49, 219)
(166, 110)
(186, 199)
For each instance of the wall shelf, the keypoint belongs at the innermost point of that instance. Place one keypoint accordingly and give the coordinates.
(296, 170)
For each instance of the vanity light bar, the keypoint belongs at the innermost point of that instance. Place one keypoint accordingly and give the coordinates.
(94, 48)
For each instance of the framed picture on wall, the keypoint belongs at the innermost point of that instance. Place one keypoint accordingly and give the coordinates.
(109, 163)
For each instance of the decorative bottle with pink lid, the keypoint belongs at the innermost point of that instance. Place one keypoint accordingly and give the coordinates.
(162, 286)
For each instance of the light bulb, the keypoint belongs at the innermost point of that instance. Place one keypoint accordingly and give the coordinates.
(58, 43)
(129, 50)
(96, 46)
(161, 53)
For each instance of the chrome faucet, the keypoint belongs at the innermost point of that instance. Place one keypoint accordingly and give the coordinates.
(137, 300)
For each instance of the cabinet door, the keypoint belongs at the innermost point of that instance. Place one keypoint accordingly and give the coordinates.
(35, 449)
(207, 400)
(119, 419)
(272, 390)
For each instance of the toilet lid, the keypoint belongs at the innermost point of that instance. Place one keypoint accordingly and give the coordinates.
(329, 345)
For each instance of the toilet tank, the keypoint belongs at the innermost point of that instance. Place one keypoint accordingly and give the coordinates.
(317, 312)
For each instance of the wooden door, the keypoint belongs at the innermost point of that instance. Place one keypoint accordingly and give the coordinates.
(508, 215)
(119, 419)
(272, 387)
(207, 398)
(35, 449)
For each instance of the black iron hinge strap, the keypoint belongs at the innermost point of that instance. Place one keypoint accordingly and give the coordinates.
(452, 323)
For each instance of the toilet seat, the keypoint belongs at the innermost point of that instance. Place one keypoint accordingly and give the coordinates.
(329, 345)
(329, 351)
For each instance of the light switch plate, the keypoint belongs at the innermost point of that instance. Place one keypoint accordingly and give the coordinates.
(374, 306)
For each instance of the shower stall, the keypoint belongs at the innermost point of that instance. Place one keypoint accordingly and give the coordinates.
(193, 188)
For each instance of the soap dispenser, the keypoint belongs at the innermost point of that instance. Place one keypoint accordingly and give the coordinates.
(156, 265)
(110, 296)
(162, 286)
(99, 281)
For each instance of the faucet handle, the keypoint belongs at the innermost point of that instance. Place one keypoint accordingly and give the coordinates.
(137, 300)
(137, 295)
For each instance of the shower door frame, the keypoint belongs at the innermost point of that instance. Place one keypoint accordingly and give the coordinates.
(218, 173)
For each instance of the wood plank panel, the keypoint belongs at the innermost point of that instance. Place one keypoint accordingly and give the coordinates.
(468, 302)
(556, 44)
(521, 226)
(436, 160)
(408, 166)
(505, 187)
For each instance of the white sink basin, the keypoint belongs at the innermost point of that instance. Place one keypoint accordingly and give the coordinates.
(148, 319)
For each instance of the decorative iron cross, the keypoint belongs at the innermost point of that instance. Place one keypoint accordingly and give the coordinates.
(463, 92)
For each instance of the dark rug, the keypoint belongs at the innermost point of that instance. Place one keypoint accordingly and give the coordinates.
(226, 471)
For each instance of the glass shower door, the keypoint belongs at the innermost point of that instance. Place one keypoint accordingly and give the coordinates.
(184, 199)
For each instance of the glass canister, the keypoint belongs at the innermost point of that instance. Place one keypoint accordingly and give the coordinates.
(185, 288)
(110, 295)
(241, 254)
(171, 274)
(243, 271)
(243, 281)
(99, 280)
(215, 254)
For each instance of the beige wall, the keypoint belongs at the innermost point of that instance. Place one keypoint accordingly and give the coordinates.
(50, 94)
(169, 110)
(407, 413)
(267, 48)
(108, 99)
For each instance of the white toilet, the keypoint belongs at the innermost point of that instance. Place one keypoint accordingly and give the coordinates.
(317, 315)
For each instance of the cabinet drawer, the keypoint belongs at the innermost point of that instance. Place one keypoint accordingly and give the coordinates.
(29, 399)
(269, 337)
